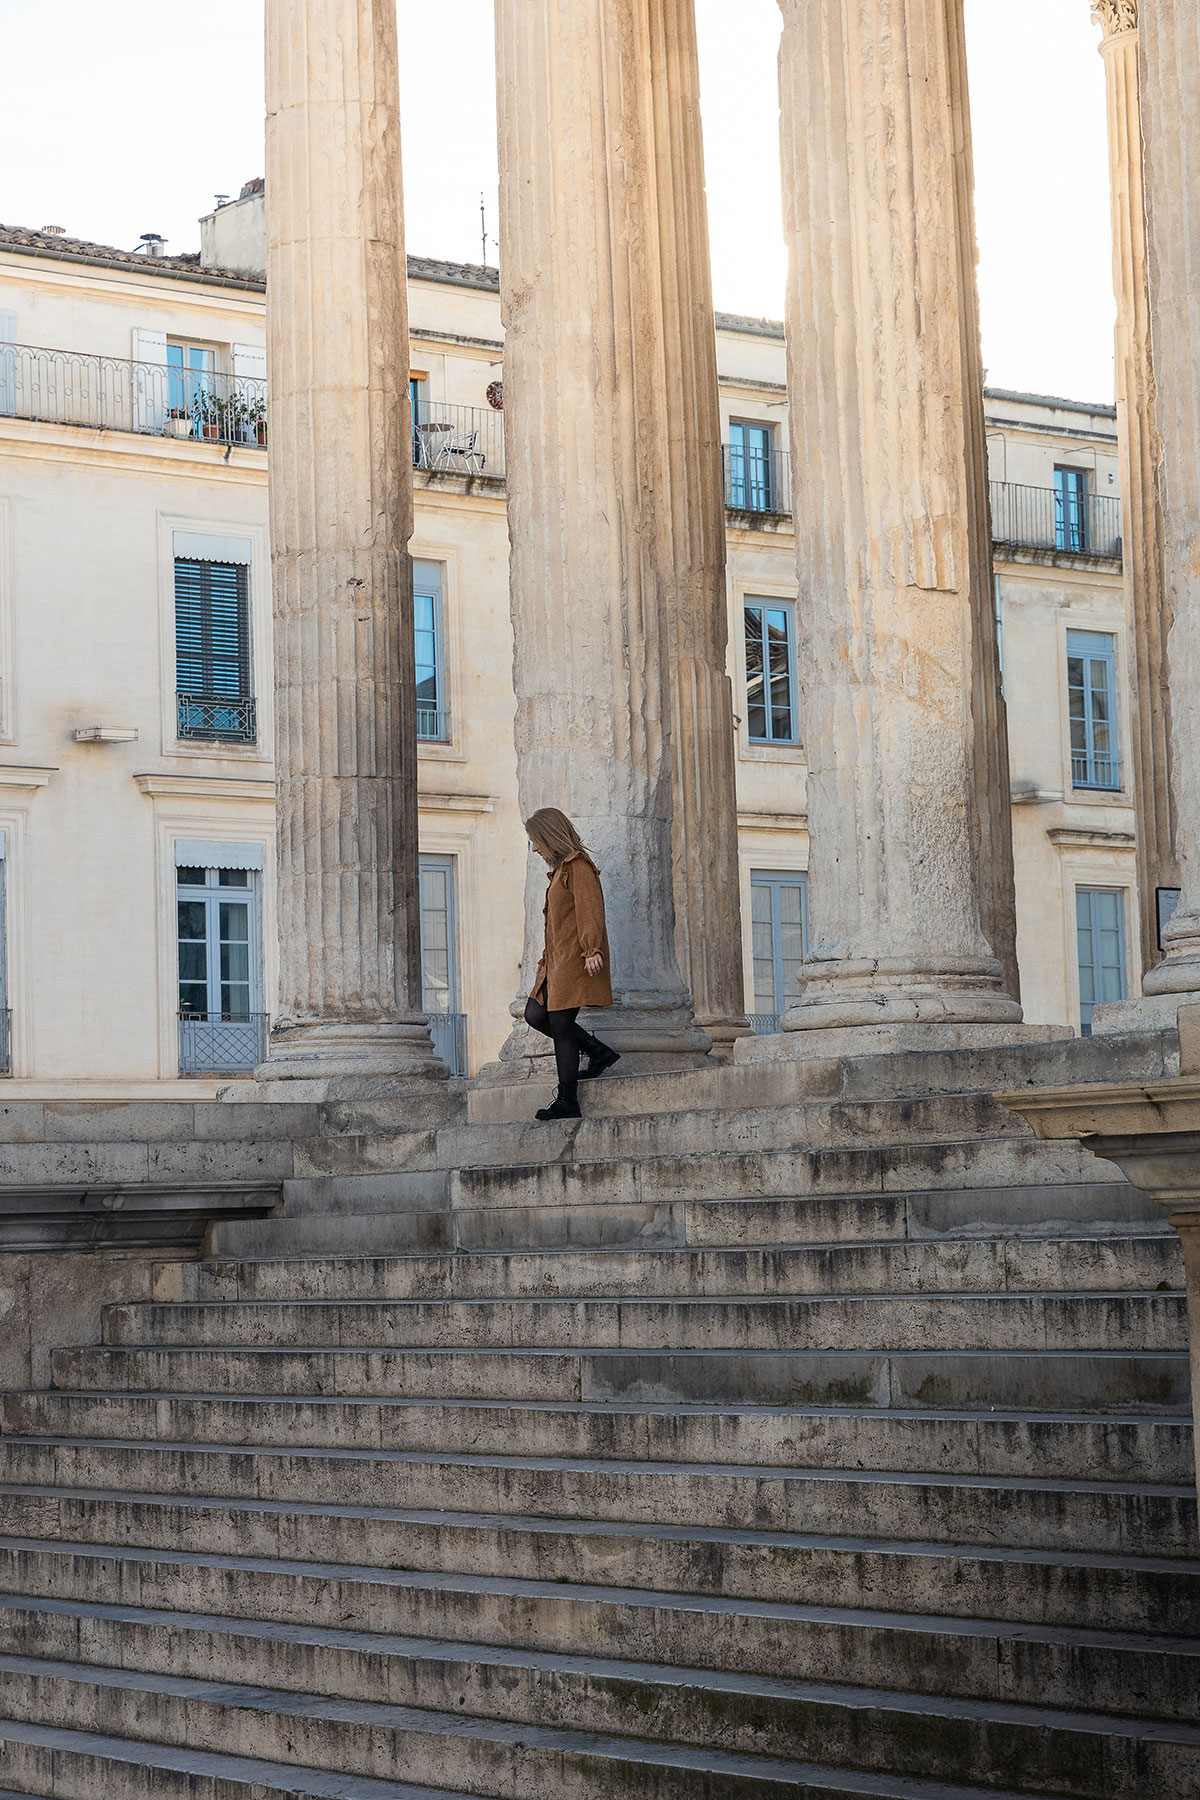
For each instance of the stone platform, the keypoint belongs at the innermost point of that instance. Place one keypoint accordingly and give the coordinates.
(808, 1429)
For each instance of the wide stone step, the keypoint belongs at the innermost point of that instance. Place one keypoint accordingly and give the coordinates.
(55, 1763)
(1100, 1670)
(1096, 1380)
(867, 1729)
(1058, 1587)
(811, 1125)
(779, 1173)
(981, 1265)
(1109, 1518)
(978, 1321)
(1120, 1448)
(517, 1762)
(357, 1216)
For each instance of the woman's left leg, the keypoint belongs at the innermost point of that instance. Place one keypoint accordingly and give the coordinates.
(566, 1036)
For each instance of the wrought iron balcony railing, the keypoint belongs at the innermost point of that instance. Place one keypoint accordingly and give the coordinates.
(110, 393)
(1037, 518)
(757, 481)
(222, 1043)
(449, 1033)
(232, 718)
(1095, 771)
(764, 1024)
(433, 723)
(458, 440)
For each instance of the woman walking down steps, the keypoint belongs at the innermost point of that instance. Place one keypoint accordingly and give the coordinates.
(574, 968)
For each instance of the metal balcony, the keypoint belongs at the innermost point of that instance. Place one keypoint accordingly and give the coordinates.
(458, 440)
(222, 1043)
(228, 718)
(433, 724)
(112, 393)
(449, 1033)
(757, 481)
(764, 1024)
(1037, 518)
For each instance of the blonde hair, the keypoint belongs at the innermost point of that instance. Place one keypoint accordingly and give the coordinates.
(552, 831)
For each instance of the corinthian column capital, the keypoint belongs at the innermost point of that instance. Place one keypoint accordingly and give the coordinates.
(1115, 17)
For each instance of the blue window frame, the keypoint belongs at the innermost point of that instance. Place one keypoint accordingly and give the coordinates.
(190, 370)
(1071, 509)
(1092, 709)
(771, 714)
(779, 941)
(750, 471)
(439, 962)
(1100, 931)
(433, 717)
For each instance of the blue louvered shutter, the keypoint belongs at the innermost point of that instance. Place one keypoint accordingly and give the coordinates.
(212, 649)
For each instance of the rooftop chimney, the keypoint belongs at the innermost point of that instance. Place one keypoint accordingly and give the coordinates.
(54, 231)
(152, 243)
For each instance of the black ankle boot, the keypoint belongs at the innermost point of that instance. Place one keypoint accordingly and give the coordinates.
(566, 1103)
(599, 1057)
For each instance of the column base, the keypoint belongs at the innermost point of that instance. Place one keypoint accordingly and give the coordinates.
(940, 991)
(1150, 1012)
(336, 1060)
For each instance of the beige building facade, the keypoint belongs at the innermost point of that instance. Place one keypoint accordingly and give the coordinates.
(136, 703)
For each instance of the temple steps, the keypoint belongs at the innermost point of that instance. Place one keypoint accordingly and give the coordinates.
(1110, 1518)
(1141, 1446)
(1078, 1380)
(1045, 1585)
(871, 1729)
(1155, 1675)
(520, 1760)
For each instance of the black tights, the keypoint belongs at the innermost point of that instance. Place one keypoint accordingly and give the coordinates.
(568, 1037)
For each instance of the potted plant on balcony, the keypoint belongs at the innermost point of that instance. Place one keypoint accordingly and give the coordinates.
(209, 412)
(179, 422)
(252, 417)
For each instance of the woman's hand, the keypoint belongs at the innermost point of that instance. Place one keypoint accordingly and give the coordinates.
(593, 964)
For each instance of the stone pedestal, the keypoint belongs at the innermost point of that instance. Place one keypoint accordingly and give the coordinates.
(349, 1017)
(1146, 607)
(1169, 72)
(911, 887)
(598, 503)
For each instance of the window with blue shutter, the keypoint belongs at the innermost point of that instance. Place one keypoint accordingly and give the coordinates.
(779, 942)
(1092, 707)
(433, 716)
(212, 651)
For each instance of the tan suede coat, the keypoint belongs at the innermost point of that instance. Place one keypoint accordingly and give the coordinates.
(574, 915)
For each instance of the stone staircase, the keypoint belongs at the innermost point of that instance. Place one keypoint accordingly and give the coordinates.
(834, 1445)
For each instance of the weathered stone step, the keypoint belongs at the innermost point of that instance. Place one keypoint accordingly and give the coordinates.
(349, 1217)
(1043, 1446)
(88, 1765)
(1038, 1381)
(517, 1762)
(980, 1265)
(900, 1733)
(1049, 1587)
(978, 1321)
(778, 1173)
(1153, 1676)
(1128, 1518)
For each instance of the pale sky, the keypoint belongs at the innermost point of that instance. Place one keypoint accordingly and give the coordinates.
(130, 116)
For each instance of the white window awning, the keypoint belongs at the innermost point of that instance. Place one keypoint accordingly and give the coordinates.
(204, 546)
(205, 853)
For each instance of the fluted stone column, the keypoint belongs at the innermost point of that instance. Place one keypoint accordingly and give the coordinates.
(1169, 69)
(1141, 518)
(349, 1011)
(592, 497)
(910, 883)
(708, 936)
